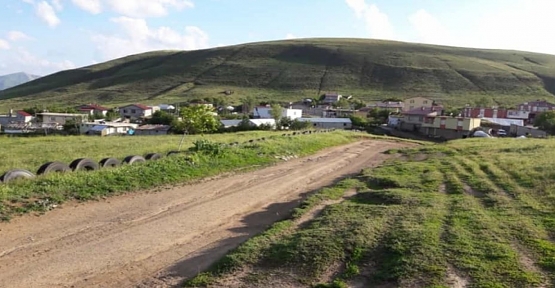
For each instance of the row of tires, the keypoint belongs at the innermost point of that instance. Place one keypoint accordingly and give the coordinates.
(86, 164)
(81, 164)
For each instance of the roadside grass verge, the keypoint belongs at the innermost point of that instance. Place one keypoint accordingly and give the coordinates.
(45, 192)
(30, 153)
(459, 214)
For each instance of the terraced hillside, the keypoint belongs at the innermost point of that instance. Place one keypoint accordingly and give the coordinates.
(472, 213)
(289, 70)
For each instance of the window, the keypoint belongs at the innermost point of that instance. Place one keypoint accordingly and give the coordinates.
(133, 111)
(411, 101)
(124, 111)
(52, 118)
(425, 102)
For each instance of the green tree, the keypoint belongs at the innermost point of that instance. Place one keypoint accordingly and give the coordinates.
(342, 103)
(196, 120)
(546, 122)
(359, 121)
(357, 104)
(484, 102)
(162, 118)
(248, 104)
(276, 111)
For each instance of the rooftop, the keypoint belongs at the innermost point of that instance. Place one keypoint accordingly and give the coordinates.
(326, 120)
(153, 127)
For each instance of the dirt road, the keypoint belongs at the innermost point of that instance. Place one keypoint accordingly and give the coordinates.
(156, 239)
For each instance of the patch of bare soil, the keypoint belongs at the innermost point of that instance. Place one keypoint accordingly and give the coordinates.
(455, 280)
(420, 157)
(470, 191)
(442, 188)
(528, 263)
(159, 239)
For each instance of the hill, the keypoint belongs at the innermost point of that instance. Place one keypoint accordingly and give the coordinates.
(12, 80)
(449, 215)
(291, 69)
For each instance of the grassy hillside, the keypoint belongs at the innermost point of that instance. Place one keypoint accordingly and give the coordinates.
(471, 213)
(11, 80)
(289, 70)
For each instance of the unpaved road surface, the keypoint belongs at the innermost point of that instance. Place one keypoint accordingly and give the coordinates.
(155, 239)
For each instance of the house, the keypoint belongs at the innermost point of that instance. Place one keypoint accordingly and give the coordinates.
(152, 130)
(413, 119)
(417, 102)
(536, 106)
(329, 123)
(54, 119)
(330, 98)
(93, 109)
(448, 127)
(388, 105)
(19, 117)
(263, 112)
(106, 128)
(135, 111)
(166, 107)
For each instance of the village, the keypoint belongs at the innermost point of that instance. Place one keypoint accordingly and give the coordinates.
(418, 116)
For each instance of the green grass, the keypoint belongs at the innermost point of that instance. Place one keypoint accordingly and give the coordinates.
(480, 211)
(30, 153)
(291, 69)
(43, 192)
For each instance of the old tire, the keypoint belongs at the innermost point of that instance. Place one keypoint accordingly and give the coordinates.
(171, 153)
(109, 163)
(53, 167)
(133, 159)
(83, 164)
(16, 174)
(153, 156)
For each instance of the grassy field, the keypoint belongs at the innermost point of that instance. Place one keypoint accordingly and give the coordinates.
(31, 153)
(45, 192)
(292, 69)
(470, 213)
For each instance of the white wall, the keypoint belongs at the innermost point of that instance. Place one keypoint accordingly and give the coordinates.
(264, 113)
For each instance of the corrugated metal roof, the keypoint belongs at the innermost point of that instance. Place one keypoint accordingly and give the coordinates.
(326, 120)
(504, 121)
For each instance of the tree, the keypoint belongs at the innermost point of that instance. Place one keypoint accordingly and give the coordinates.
(359, 122)
(276, 111)
(357, 104)
(196, 119)
(484, 102)
(342, 103)
(248, 104)
(161, 118)
(546, 122)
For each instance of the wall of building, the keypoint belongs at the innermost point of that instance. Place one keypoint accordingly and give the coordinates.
(331, 125)
(417, 102)
(134, 112)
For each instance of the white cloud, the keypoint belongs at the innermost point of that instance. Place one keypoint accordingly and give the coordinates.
(428, 29)
(22, 60)
(134, 8)
(290, 36)
(17, 36)
(57, 4)
(4, 45)
(377, 23)
(47, 14)
(137, 37)
(91, 6)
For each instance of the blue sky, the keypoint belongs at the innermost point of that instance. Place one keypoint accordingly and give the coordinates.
(45, 36)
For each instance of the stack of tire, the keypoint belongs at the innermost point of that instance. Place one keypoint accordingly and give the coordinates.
(81, 164)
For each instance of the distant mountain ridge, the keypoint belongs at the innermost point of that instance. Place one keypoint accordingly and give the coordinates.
(14, 79)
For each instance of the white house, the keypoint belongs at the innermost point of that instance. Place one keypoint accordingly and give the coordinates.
(61, 118)
(135, 111)
(106, 128)
(166, 107)
(329, 123)
(263, 112)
